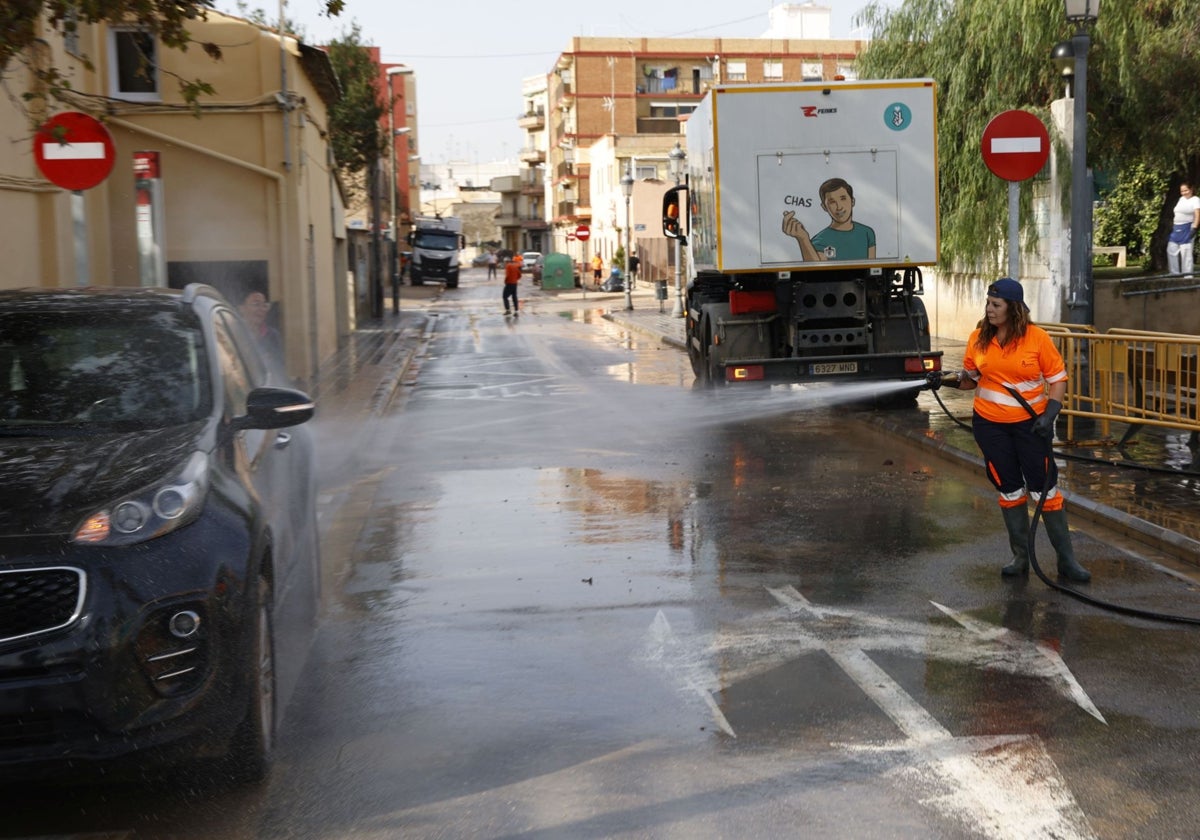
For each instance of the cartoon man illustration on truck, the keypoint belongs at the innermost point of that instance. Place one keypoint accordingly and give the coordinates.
(844, 238)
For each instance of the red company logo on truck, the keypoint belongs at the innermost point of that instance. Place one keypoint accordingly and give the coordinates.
(813, 110)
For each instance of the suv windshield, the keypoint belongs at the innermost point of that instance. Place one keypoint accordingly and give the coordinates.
(101, 368)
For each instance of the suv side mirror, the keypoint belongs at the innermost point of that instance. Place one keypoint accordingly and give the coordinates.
(275, 408)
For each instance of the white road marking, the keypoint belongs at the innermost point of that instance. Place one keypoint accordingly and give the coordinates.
(1003, 634)
(1004, 786)
(696, 676)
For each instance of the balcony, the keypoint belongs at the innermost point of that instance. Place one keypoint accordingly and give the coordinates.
(506, 184)
(507, 219)
(532, 120)
(531, 186)
(658, 125)
(531, 155)
(564, 209)
(534, 223)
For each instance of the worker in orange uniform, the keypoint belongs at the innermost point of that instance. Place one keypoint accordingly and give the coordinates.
(512, 276)
(1020, 381)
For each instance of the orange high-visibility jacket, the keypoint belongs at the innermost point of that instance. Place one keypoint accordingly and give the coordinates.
(1027, 364)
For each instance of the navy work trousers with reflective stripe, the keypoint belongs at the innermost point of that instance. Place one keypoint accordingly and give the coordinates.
(1015, 457)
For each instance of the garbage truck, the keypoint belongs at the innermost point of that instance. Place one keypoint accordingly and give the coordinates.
(436, 242)
(806, 213)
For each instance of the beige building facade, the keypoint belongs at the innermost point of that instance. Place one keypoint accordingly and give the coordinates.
(247, 195)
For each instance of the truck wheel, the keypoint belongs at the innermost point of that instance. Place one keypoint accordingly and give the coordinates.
(451, 284)
(695, 355)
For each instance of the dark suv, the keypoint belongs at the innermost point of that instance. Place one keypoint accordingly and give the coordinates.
(158, 524)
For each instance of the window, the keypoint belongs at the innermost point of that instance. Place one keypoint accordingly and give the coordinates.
(847, 71)
(812, 71)
(70, 28)
(671, 109)
(133, 65)
(773, 71)
(735, 71)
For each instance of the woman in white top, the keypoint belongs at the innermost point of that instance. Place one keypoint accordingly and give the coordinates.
(1183, 229)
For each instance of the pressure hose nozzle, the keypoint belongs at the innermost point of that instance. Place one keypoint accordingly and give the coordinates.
(936, 379)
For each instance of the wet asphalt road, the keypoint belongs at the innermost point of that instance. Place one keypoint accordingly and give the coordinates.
(569, 596)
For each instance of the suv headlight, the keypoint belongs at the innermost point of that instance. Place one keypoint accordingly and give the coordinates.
(152, 511)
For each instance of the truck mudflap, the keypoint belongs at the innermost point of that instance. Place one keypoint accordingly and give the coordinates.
(908, 365)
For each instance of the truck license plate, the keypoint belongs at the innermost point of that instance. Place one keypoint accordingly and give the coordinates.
(826, 368)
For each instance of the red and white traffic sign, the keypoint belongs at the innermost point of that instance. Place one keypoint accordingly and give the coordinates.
(583, 233)
(1015, 145)
(74, 151)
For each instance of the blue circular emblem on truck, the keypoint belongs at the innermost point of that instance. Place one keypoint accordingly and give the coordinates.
(897, 116)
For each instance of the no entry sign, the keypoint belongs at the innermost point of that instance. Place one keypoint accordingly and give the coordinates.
(1015, 145)
(583, 233)
(74, 151)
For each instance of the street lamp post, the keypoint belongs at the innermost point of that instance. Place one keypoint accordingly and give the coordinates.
(1080, 302)
(627, 191)
(393, 133)
(677, 156)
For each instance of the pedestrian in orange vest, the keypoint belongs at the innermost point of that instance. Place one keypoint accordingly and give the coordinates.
(512, 276)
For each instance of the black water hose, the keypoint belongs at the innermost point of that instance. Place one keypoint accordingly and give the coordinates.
(1152, 615)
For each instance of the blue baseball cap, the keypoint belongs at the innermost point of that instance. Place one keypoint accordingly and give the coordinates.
(1007, 288)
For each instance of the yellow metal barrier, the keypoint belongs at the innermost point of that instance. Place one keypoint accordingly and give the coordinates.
(1129, 376)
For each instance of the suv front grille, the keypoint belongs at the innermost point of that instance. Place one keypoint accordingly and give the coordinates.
(40, 600)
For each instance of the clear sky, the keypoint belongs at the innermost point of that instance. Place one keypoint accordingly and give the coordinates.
(471, 55)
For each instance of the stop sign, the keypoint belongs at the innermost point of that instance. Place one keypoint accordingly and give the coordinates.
(583, 233)
(1015, 145)
(74, 151)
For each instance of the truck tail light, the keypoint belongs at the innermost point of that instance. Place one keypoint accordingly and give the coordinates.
(747, 373)
(917, 364)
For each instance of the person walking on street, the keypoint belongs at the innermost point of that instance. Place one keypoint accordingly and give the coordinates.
(1183, 231)
(491, 264)
(634, 265)
(597, 269)
(512, 276)
(1020, 381)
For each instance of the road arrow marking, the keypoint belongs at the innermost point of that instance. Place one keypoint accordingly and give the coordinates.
(1003, 786)
(1058, 667)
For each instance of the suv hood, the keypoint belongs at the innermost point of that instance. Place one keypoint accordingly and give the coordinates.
(51, 483)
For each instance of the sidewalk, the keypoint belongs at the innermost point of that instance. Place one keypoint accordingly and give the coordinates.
(1150, 491)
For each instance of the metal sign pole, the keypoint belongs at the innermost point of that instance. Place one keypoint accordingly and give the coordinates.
(79, 226)
(1014, 211)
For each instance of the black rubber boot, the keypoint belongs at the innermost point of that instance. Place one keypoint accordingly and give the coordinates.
(1016, 520)
(1060, 538)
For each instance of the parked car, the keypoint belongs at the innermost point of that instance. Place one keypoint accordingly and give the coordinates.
(158, 526)
(531, 260)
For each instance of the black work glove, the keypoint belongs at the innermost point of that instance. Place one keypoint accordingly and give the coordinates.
(1043, 427)
(933, 380)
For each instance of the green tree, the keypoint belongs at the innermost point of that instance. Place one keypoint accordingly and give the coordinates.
(354, 122)
(1130, 212)
(988, 56)
(167, 19)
